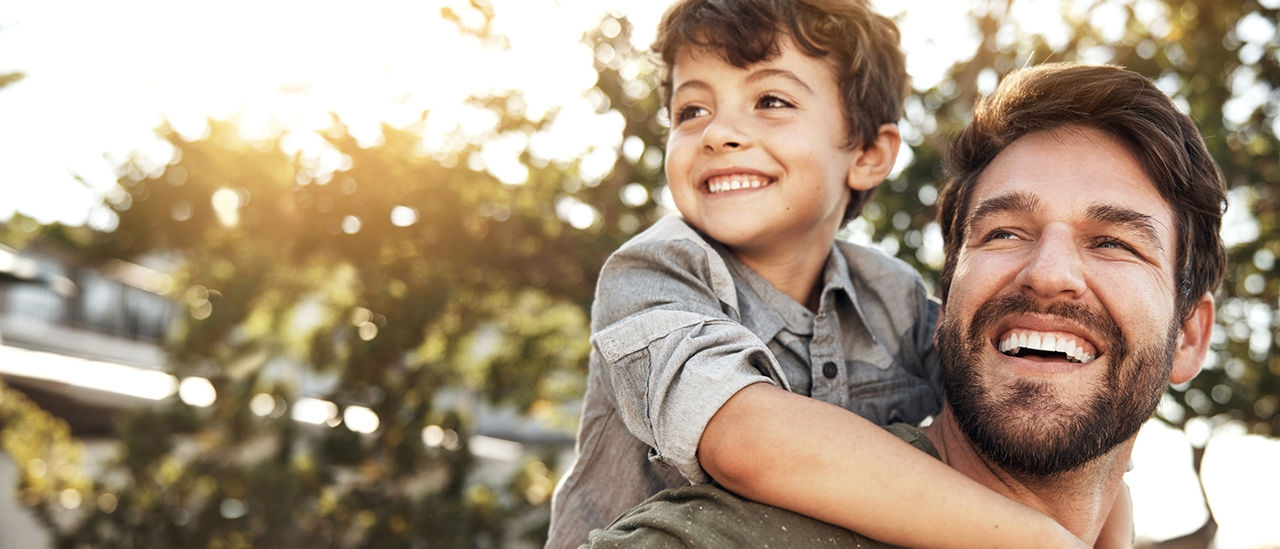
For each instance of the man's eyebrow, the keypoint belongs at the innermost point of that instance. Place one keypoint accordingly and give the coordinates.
(781, 73)
(1015, 202)
(1134, 220)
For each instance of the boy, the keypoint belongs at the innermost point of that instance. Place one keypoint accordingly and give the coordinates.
(710, 329)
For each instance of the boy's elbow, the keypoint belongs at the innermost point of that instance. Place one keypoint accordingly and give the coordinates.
(732, 466)
(733, 449)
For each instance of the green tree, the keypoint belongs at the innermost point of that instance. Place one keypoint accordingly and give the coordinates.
(40, 444)
(399, 280)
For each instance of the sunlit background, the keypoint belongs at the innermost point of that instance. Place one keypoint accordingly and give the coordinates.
(99, 78)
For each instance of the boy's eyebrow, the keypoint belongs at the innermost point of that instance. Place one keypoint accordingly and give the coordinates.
(1133, 220)
(753, 77)
(782, 73)
(1014, 202)
(687, 84)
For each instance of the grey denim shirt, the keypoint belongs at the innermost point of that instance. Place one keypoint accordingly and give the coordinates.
(679, 325)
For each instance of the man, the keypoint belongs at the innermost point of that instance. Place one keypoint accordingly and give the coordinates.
(1081, 234)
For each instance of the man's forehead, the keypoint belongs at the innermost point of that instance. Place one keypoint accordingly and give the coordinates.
(1078, 166)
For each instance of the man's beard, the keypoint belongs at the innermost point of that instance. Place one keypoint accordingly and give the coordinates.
(1027, 429)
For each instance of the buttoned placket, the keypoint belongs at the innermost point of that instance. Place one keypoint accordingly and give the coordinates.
(825, 352)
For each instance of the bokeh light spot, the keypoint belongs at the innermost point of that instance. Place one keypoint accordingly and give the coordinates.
(197, 391)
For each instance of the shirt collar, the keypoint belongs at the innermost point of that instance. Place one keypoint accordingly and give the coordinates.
(779, 310)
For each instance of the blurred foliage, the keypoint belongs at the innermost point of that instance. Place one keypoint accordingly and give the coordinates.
(48, 459)
(413, 282)
(407, 281)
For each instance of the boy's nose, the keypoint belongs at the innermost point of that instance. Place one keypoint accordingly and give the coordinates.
(1054, 268)
(724, 132)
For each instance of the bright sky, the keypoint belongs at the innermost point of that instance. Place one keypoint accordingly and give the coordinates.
(102, 75)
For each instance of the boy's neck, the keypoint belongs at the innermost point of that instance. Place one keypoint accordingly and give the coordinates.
(796, 272)
(1079, 500)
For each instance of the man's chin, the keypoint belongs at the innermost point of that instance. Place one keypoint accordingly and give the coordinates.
(1029, 431)
(1036, 427)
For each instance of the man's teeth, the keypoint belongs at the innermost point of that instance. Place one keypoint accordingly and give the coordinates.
(735, 182)
(1016, 342)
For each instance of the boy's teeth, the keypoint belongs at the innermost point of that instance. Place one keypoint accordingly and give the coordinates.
(1074, 349)
(735, 182)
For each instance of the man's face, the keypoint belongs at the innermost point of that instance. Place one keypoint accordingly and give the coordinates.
(1059, 329)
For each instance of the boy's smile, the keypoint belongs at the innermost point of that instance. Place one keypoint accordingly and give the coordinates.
(756, 157)
(737, 181)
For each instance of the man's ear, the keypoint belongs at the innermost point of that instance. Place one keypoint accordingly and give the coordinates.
(1193, 341)
(874, 162)
(937, 325)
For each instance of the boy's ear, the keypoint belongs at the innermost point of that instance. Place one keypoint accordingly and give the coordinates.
(1193, 341)
(874, 162)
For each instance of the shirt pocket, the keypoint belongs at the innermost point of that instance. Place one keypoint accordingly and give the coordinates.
(891, 395)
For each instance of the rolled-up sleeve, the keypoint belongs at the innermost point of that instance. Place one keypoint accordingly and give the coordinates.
(674, 353)
(672, 370)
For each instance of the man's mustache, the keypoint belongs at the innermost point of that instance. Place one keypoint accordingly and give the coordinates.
(1022, 304)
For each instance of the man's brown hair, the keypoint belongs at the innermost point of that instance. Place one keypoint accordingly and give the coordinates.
(860, 46)
(1119, 102)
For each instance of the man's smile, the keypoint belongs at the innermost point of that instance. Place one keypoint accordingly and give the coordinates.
(1063, 333)
(1050, 345)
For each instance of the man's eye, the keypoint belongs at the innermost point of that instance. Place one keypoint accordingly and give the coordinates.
(1001, 235)
(773, 102)
(1113, 244)
(690, 112)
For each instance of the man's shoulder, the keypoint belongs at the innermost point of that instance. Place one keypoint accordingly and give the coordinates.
(707, 515)
(915, 437)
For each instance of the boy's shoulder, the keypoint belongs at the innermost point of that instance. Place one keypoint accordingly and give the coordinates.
(670, 228)
(670, 249)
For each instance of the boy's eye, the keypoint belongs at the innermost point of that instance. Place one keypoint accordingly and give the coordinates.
(689, 112)
(772, 102)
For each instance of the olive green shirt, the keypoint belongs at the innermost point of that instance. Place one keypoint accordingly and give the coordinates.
(706, 515)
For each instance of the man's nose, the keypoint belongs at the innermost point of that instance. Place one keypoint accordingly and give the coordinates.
(1054, 267)
(725, 131)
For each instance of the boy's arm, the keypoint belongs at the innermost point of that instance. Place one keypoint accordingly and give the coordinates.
(1117, 532)
(820, 460)
(664, 335)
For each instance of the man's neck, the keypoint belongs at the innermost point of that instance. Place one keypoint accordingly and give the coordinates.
(1080, 500)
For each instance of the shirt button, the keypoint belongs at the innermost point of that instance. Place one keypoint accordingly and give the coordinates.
(829, 370)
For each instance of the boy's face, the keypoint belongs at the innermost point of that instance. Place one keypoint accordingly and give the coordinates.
(756, 157)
